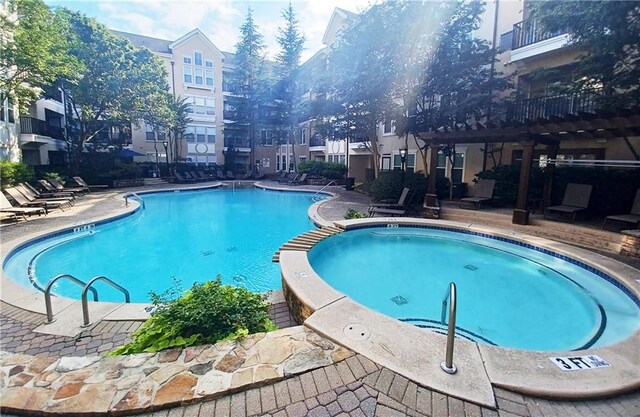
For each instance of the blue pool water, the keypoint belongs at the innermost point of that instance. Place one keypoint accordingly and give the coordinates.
(192, 236)
(508, 295)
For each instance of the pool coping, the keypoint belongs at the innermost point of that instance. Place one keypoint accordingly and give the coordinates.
(393, 344)
(32, 300)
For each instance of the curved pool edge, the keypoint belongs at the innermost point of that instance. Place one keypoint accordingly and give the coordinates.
(397, 345)
(32, 300)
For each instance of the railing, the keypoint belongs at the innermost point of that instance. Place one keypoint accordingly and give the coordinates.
(558, 105)
(237, 143)
(85, 306)
(529, 32)
(126, 200)
(31, 125)
(47, 293)
(320, 190)
(450, 297)
(317, 142)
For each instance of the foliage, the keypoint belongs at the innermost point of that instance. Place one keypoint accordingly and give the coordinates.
(609, 34)
(34, 51)
(114, 83)
(14, 172)
(507, 177)
(230, 158)
(389, 185)
(330, 170)
(53, 175)
(105, 167)
(354, 214)
(207, 313)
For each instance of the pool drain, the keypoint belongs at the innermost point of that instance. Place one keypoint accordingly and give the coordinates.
(356, 332)
(470, 267)
(399, 300)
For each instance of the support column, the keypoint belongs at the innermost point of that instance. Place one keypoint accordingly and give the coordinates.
(432, 197)
(549, 170)
(520, 213)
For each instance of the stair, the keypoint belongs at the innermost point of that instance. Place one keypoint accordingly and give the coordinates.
(307, 240)
(154, 181)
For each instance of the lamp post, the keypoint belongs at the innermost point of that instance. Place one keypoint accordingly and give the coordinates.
(166, 153)
(403, 161)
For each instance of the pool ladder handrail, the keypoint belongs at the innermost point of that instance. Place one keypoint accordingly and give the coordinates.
(85, 305)
(323, 187)
(47, 293)
(450, 296)
(126, 200)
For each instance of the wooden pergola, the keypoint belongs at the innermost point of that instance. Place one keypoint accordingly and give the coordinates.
(552, 131)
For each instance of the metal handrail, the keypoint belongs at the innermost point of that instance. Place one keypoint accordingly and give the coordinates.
(323, 187)
(85, 306)
(126, 199)
(47, 293)
(450, 296)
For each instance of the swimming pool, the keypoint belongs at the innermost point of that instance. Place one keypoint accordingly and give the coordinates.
(509, 295)
(188, 235)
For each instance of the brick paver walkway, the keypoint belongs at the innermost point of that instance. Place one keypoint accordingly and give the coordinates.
(354, 387)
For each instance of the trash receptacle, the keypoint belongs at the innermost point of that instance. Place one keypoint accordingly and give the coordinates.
(348, 185)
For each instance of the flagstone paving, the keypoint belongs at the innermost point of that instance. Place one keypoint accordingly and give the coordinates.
(296, 373)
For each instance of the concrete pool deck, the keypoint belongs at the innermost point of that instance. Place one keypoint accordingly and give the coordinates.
(387, 392)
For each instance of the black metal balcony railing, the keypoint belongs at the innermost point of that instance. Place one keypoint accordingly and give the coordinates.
(529, 32)
(237, 142)
(317, 142)
(31, 125)
(558, 105)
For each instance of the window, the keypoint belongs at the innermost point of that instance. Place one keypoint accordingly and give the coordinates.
(152, 137)
(456, 173)
(208, 64)
(389, 127)
(410, 162)
(199, 77)
(197, 58)
(149, 133)
(2, 108)
(188, 74)
(266, 137)
(201, 105)
(386, 162)
(303, 137)
(11, 116)
(186, 60)
(303, 158)
(211, 134)
(209, 77)
(200, 134)
(190, 135)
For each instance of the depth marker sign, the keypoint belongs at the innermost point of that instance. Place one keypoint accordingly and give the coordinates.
(580, 363)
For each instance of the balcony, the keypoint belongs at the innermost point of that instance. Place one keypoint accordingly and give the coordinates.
(557, 105)
(529, 39)
(33, 126)
(314, 142)
(237, 142)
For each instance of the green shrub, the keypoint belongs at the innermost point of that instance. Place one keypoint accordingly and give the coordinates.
(329, 170)
(389, 185)
(207, 313)
(12, 173)
(507, 179)
(354, 214)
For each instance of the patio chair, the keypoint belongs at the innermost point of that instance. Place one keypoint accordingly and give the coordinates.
(25, 200)
(203, 176)
(8, 216)
(192, 175)
(289, 178)
(83, 183)
(58, 186)
(181, 178)
(632, 218)
(7, 207)
(299, 181)
(576, 199)
(221, 175)
(31, 196)
(46, 185)
(40, 194)
(484, 192)
(400, 203)
(230, 175)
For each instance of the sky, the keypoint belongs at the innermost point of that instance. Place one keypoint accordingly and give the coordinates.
(220, 20)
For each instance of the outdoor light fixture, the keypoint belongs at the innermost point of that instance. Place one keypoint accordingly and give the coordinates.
(403, 158)
(166, 151)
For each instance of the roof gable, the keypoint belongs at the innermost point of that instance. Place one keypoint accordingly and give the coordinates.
(196, 32)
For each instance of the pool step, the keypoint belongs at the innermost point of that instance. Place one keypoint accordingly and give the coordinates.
(305, 241)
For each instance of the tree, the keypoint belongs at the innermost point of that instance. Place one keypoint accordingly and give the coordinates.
(609, 34)
(34, 51)
(113, 81)
(291, 42)
(249, 70)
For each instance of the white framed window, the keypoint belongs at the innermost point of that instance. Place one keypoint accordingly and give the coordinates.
(389, 127)
(11, 111)
(201, 105)
(186, 60)
(444, 168)
(199, 77)
(200, 134)
(197, 58)
(410, 161)
(208, 64)
(149, 133)
(150, 136)
(209, 77)
(303, 137)
(386, 162)
(188, 74)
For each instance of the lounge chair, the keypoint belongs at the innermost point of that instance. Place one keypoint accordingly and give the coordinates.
(289, 178)
(632, 218)
(230, 175)
(31, 196)
(58, 186)
(387, 211)
(484, 192)
(390, 205)
(25, 201)
(83, 183)
(190, 175)
(8, 216)
(299, 181)
(182, 179)
(7, 207)
(221, 175)
(201, 175)
(576, 199)
(46, 185)
(40, 194)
